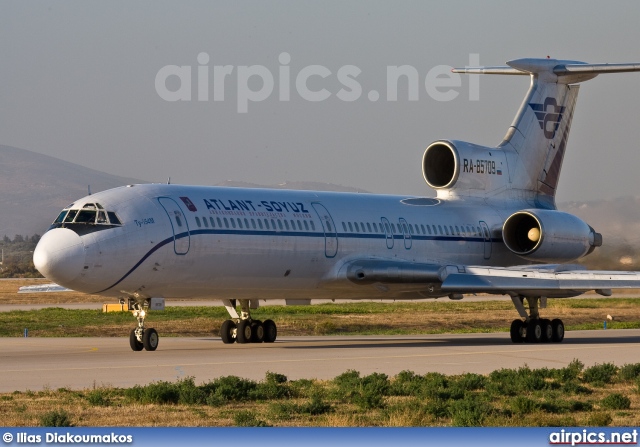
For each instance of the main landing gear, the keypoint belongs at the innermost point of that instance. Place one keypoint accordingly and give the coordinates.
(534, 329)
(141, 337)
(242, 328)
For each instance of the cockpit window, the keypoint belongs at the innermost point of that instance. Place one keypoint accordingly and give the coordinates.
(90, 218)
(71, 216)
(86, 217)
(60, 217)
(113, 219)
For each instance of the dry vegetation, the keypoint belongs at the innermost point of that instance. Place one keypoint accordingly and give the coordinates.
(601, 395)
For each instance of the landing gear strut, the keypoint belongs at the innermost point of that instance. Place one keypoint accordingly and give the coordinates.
(242, 328)
(534, 329)
(141, 337)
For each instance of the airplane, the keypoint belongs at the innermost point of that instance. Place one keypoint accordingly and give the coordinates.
(492, 228)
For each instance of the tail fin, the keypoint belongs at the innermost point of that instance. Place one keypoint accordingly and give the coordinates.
(536, 141)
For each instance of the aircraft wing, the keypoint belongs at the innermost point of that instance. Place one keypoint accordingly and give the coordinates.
(550, 280)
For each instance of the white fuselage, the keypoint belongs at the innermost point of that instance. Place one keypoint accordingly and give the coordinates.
(191, 241)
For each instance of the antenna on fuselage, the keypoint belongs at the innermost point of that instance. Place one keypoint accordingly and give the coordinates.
(89, 189)
(169, 181)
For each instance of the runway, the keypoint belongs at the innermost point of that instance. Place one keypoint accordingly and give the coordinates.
(77, 363)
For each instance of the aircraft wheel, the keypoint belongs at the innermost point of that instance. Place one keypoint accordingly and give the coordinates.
(227, 332)
(243, 335)
(558, 330)
(270, 331)
(547, 330)
(534, 331)
(150, 339)
(133, 341)
(257, 332)
(516, 331)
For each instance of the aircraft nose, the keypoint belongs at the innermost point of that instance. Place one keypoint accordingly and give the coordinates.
(59, 256)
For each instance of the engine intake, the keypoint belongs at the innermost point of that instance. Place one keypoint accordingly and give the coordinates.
(439, 165)
(549, 236)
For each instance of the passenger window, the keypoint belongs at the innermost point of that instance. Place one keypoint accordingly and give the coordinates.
(355, 224)
(369, 227)
(213, 225)
(286, 225)
(313, 226)
(260, 224)
(411, 228)
(205, 222)
(266, 224)
(246, 223)
(239, 223)
(233, 222)
(299, 225)
(306, 225)
(226, 223)
(273, 224)
(393, 228)
(177, 215)
(198, 221)
(253, 223)
(293, 225)
(219, 222)
(350, 227)
(386, 225)
(375, 228)
(457, 231)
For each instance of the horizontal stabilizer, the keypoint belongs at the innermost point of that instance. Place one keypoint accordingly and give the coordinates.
(560, 68)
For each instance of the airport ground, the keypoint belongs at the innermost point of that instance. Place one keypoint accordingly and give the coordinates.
(34, 369)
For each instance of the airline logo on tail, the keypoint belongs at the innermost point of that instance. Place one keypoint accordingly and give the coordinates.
(549, 112)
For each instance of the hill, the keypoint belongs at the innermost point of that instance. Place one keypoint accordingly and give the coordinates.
(35, 187)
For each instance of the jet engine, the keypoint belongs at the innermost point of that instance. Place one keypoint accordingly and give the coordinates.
(549, 236)
(463, 167)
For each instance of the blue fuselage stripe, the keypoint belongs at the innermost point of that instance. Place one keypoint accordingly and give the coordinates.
(238, 232)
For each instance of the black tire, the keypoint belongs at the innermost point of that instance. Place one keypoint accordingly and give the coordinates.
(257, 332)
(534, 331)
(558, 330)
(547, 330)
(227, 332)
(150, 339)
(243, 334)
(516, 331)
(133, 341)
(270, 331)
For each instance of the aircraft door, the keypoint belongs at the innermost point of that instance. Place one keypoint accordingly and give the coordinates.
(329, 228)
(387, 231)
(404, 227)
(179, 225)
(486, 235)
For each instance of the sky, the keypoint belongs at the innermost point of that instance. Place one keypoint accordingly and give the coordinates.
(95, 83)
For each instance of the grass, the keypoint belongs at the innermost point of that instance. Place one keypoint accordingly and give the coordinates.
(359, 318)
(507, 397)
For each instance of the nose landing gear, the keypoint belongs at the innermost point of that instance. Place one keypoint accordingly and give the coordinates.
(242, 328)
(142, 338)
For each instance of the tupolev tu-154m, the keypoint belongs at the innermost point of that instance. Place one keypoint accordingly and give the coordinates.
(492, 228)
